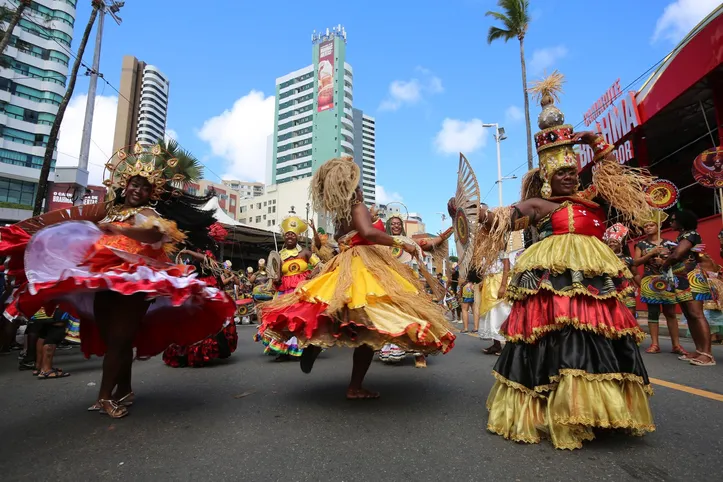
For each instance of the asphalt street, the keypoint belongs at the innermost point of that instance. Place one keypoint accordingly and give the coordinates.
(250, 418)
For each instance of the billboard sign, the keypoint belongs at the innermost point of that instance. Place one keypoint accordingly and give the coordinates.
(325, 76)
(61, 196)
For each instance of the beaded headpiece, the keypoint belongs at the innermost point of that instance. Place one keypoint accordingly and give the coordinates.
(147, 162)
(293, 224)
(555, 141)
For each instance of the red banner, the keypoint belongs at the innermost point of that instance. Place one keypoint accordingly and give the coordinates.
(325, 76)
(61, 196)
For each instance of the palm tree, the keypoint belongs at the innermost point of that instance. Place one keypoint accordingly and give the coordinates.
(55, 129)
(515, 20)
(8, 32)
(188, 165)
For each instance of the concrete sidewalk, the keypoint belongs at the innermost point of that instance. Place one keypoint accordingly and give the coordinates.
(682, 325)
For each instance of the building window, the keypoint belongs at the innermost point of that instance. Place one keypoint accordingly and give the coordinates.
(17, 192)
(242, 209)
(258, 219)
(264, 203)
(258, 205)
(264, 217)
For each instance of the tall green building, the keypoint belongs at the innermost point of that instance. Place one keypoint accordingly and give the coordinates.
(313, 121)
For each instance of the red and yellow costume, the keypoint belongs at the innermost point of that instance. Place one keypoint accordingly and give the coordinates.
(363, 296)
(571, 362)
(67, 262)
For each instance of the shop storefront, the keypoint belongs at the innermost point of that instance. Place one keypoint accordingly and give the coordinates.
(674, 117)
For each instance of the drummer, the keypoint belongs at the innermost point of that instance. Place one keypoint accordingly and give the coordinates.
(297, 263)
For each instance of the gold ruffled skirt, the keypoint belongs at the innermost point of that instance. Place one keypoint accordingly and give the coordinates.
(363, 296)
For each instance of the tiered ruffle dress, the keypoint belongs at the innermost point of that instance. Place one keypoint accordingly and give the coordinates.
(199, 354)
(571, 362)
(363, 296)
(294, 271)
(65, 264)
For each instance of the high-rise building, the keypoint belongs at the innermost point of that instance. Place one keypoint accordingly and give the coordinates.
(313, 119)
(142, 104)
(365, 153)
(33, 79)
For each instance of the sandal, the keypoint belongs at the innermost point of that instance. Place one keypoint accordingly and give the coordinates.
(95, 407)
(679, 350)
(709, 363)
(361, 394)
(115, 411)
(653, 349)
(52, 373)
(127, 400)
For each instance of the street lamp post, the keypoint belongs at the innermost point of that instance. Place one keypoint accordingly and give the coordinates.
(499, 136)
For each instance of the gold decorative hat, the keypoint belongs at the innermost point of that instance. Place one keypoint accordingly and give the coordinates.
(294, 224)
(145, 161)
(555, 141)
(655, 216)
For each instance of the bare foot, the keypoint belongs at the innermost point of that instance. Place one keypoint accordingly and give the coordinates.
(360, 394)
(420, 361)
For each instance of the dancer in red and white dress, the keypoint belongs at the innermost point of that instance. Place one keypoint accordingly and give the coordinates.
(109, 265)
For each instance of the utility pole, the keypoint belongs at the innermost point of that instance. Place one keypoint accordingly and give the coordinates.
(112, 8)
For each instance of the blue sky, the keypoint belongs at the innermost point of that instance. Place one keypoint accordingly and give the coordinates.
(422, 68)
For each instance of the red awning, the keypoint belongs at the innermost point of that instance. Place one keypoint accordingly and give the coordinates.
(696, 57)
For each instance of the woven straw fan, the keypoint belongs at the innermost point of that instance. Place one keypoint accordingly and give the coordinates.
(467, 200)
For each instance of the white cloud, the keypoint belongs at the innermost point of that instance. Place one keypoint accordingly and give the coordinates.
(409, 92)
(514, 114)
(71, 132)
(680, 17)
(239, 136)
(384, 197)
(171, 134)
(543, 59)
(460, 136)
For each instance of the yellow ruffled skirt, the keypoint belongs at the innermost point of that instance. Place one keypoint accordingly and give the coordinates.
(363, 296)
(571, 364)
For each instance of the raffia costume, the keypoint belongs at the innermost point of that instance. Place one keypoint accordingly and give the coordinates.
(363, 296)
(571, 361)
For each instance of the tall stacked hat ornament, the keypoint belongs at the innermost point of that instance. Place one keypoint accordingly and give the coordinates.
(621, 186)
(554, 142)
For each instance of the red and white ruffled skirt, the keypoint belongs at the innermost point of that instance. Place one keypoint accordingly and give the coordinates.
(65, 265)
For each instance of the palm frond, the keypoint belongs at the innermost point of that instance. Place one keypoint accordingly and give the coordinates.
(188, 165)
(514, 17)
(495, 33)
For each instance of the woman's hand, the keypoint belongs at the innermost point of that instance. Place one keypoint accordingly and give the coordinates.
(110, 228)
(411, 249)
(452, 207)
(584, 137)
(501, 292)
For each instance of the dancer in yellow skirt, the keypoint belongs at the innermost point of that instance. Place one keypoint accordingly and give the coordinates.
(571, 362)
(363, 298)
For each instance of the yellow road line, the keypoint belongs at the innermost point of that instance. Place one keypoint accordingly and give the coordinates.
(686, 389)
(656, 381)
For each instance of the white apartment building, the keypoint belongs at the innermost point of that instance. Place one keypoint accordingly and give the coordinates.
(32, 86)
(153, 108)
(368, 156)
(244, 188)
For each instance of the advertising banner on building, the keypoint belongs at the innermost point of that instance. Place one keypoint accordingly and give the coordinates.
(325, 76)
(61, 196)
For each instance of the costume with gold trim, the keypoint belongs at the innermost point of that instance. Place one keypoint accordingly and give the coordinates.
(87, 260)
(571, 362)
(295, 269)
(364, 296)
